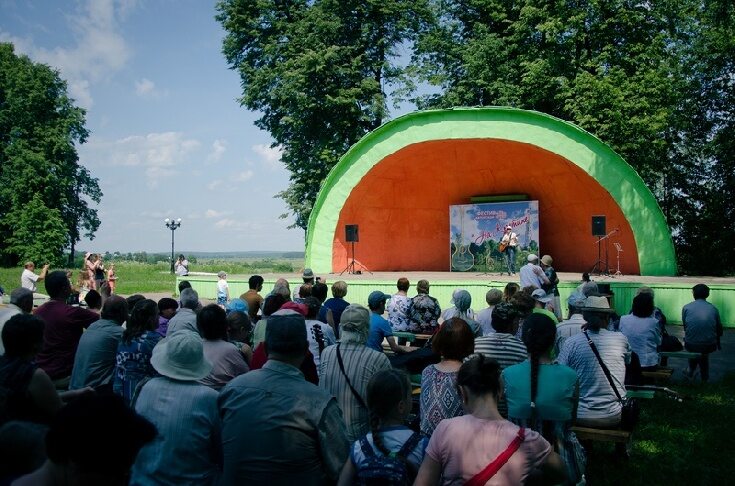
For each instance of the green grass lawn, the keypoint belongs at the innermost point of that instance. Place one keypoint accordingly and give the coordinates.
(134, 277)
(676, 443)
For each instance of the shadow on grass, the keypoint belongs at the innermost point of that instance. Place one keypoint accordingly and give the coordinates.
(676, 443)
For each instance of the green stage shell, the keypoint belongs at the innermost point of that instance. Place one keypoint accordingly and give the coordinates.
(652, 237)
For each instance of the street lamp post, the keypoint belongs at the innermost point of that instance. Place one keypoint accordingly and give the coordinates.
(173, 225)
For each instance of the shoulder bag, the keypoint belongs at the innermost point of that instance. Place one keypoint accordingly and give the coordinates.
(342, 368)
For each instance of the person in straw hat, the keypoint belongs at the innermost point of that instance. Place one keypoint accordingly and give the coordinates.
(187, 449)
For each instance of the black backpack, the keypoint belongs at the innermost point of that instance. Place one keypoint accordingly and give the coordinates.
(391, 470)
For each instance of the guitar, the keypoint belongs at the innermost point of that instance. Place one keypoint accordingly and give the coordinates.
(503, 245)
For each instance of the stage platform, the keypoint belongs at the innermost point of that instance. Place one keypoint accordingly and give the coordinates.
(672, 293)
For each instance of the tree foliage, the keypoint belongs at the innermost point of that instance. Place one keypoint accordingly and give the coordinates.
(44, 192)
(318, 73)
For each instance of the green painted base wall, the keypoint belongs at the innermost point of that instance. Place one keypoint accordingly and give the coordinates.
(670, 297)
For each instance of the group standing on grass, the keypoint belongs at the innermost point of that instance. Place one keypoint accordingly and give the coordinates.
(293, 387)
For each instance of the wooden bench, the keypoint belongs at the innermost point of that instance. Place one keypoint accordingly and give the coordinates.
(644, 394)
(679, 354)
(661, 374)
(605, 435)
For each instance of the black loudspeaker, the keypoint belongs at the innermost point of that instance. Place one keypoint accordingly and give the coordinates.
(351, 233)
(598, 226)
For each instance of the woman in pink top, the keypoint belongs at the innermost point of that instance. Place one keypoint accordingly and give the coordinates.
(462, 447)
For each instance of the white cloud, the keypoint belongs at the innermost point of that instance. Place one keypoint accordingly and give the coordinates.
(144, 87)
(218, 148)
(98, 50)
(270, 155)
(213, 214)
(244, 176)
(214, 185)
(165, 149)
(233, 224)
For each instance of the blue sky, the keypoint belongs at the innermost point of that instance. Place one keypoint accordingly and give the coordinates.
(168, 137)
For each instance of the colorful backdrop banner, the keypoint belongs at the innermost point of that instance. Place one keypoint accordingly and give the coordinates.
(476, 229)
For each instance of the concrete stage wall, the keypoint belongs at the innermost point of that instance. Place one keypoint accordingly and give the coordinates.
(671, 294)
(398, 182)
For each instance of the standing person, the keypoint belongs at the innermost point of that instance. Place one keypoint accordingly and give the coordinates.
(398, 306)
(90, 265)
(702, 329)
(223, 289)
(485, 317)
(552, 288)
(181, 267)
(510, 242)
(133, 361)
(188, 449)
(28, 279)
(390, 451)
(94, 363)
(64, 327)
(99, 273)
(439, 396)
(253, 297)
(347, 367)
(423, 311)
(303, 440)
(532, 275)
(112, 278)
(463, 447)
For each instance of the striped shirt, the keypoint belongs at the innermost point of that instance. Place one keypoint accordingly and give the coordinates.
(596, 398)
(507, 349)
(360, 363)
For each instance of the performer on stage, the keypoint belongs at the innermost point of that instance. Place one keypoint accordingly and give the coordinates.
(508, 244)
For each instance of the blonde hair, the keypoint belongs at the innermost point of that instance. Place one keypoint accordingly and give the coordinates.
(339, 288)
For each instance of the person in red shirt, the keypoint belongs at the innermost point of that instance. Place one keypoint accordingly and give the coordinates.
(64, 327)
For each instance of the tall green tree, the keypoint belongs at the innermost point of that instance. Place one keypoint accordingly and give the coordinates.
(319, 72)
(45, 194)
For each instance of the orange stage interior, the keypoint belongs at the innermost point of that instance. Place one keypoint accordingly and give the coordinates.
(402, 205)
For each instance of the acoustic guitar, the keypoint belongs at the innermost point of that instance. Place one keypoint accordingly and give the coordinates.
(503, 245)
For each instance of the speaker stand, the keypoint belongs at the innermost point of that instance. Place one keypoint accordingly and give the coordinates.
(351, 267)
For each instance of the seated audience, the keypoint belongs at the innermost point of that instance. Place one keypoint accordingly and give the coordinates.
(524, 304)
(461, 301)
(380, 328)
(510, 290)
(92, 441)
(461, 448)
(93, 299)
(94, 363)
(325, 315)
(423, 311)
(271, 304)
(398, 306)
(308, 279)
(253, 297)
(64, 327)
(167, 308)
(544, 304)
(320, 335)
(281, 287)
(226, 359)
(186, 317)
(643, 331)
(574, 324)
(133, 362)
(303, 440)
(702, 329)
(657, 313)
(28, 393)
(389, 441)
(347, 367)
(542, 395)
(239, 329)
(503, 345)
(187, 449)
(337, 303)
(21, 302)
(485, 317)
(598, 404)
(132, 300)
(439, 397)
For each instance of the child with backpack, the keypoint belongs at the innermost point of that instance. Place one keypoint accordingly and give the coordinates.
(391, 453)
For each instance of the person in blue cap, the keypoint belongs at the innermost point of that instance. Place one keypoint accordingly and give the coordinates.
(379, 327)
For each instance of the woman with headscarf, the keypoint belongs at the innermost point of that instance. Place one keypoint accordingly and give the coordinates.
(462, 300)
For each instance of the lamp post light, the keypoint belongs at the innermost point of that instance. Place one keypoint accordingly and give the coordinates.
(173, 225)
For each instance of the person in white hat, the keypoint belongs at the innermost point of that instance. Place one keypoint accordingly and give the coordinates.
(544, 304)
(187, 449)
(509, 242)
(598, 404)
(532, 275)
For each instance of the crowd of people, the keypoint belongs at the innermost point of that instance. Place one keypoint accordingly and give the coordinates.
(292, 387)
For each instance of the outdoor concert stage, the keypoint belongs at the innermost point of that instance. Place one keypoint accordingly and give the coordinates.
(672, 293)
